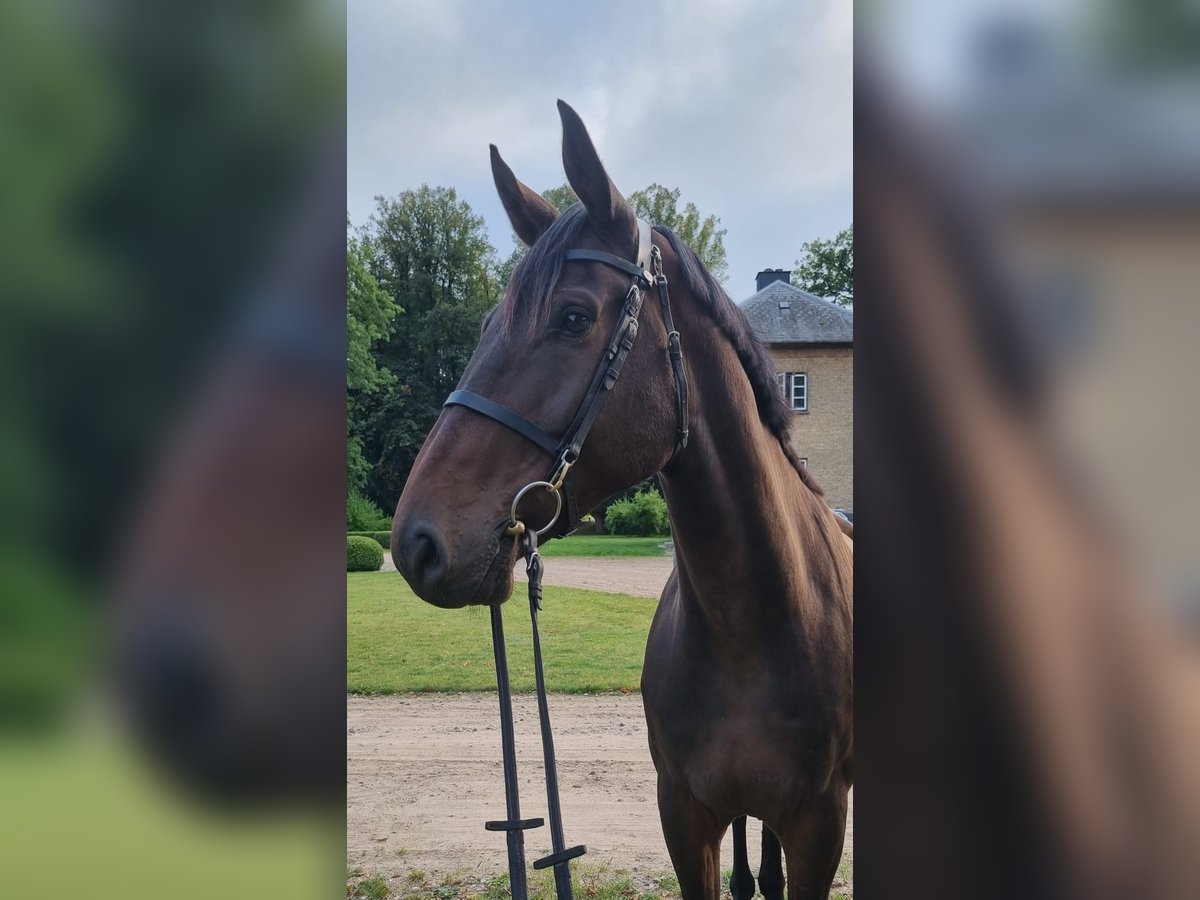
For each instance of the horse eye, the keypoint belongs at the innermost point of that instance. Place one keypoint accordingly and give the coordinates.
(576, 322)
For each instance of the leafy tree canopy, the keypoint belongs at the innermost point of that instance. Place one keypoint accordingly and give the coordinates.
(660, 206)
(562, 197)
(370, 317)
(428, 251)
(826, 268)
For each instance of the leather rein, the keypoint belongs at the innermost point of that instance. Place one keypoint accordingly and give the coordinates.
(647, 272)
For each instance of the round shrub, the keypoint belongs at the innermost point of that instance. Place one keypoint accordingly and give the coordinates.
(642, 515)
(383, 538)
(363, 554)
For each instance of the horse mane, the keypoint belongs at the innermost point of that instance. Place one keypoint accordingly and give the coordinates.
(537, 273)
(531, 289)
(752, 353)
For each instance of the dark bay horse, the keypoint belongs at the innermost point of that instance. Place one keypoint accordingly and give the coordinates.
(747, 683)
(228, 632)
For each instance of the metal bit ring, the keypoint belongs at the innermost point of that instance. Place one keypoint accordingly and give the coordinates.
(517, 526)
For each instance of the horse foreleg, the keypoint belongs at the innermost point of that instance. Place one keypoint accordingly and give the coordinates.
(770, 870)
(741, 882)
(693, 835)
(813, 844)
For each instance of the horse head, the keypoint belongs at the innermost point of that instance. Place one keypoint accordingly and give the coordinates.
(540, 353)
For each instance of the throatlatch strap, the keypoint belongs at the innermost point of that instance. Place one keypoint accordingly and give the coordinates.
(675, 351)
(505, 417)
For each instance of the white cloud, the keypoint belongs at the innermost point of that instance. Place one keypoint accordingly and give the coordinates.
(745, 107)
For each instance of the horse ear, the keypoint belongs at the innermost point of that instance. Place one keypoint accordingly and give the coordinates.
(585, 173)
(529, 212)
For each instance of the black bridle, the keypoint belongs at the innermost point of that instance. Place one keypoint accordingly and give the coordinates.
(565, 453)
(646, 271)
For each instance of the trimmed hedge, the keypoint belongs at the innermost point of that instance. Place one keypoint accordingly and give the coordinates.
(641, 515)
(363, 554)
(363, 515)
(383, 538)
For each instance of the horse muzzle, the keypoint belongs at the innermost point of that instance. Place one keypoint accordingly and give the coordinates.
(448, 579)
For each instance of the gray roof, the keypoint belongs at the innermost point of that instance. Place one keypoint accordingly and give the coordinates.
(781, 313)
(1083, 145)
(1041, 127)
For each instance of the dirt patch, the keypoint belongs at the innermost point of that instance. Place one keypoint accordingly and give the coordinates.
(424, 772)
(641, 576)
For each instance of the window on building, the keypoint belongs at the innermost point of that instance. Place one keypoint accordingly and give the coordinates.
(795, 389)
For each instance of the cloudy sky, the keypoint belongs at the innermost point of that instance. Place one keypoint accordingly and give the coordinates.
(744, 106)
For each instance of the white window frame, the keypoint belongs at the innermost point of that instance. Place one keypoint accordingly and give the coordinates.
(795, 390)
(799, 389)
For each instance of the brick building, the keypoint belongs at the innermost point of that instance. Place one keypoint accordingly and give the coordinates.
(812, 341)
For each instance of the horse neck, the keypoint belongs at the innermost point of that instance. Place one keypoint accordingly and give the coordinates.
(752, 542)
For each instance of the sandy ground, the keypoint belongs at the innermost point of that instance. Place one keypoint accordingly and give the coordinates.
(641, 576)
(424, 772)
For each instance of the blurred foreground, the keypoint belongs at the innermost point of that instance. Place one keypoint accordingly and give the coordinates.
(172, 344)
(1027, 182)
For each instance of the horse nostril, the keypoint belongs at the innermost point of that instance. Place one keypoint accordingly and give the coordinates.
(173, 686)
(425, 559)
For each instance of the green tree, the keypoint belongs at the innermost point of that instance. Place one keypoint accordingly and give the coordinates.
(826, 268)
(660, 206)
(428, 251)
(562, 197)
(370, 317)
(1145, 37)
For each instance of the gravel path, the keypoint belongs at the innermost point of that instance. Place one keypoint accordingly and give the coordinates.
(424, 772)
(641, 576)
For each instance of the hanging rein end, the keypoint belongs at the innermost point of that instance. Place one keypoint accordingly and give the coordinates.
(562, 856)
(513, 824)
(533, 569)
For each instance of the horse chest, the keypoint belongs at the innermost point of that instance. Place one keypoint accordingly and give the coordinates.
(738, 746)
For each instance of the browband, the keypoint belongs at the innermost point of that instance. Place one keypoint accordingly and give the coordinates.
(610, 259)
(637, 270)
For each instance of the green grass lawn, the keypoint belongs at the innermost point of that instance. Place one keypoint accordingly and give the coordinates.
(395, 642)
(605, 545)
(89, 814)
